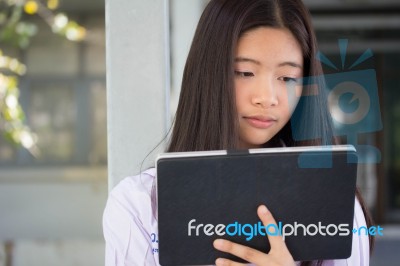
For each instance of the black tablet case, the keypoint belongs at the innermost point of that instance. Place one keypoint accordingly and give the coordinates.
(228, 188)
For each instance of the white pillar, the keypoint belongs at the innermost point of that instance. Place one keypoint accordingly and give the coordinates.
(137, 54)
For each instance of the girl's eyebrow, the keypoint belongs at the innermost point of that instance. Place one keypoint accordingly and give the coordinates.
(290, 63)
(245, 59)
(250, 60)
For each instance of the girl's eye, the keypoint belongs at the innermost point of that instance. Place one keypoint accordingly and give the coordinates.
(243, 74)
(289, 79)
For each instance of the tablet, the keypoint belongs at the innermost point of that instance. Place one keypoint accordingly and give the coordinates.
(207, 195)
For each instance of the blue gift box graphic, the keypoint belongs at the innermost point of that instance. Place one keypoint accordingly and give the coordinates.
(353, 104)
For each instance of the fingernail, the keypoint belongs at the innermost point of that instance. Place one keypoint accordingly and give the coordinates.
(263, 209)
(220, 261)
(218, 243)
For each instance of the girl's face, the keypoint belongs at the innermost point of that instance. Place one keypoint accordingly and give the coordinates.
(267, 63)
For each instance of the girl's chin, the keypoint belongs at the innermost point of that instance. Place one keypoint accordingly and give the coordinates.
(253, 144)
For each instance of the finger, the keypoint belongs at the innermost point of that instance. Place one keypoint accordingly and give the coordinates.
(275, 239)
(226, 262)
(249, 254)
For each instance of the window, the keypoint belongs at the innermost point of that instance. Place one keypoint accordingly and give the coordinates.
(64, 97)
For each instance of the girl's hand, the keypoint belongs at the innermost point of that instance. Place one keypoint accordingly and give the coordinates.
(278, 255)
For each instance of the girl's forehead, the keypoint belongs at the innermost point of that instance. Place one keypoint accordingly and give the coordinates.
(269, 43)
(269, 35)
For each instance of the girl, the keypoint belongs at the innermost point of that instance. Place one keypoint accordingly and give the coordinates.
(239, 91)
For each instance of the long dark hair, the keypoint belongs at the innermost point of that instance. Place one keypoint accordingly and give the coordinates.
(206, 118)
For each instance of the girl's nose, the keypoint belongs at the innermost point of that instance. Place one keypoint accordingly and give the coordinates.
(265, 95)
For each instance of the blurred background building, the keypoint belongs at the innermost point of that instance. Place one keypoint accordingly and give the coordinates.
(51, 205)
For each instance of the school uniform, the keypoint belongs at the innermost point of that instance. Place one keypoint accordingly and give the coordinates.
(131, 234)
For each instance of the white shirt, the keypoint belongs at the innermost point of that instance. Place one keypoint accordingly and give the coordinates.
(130, 226)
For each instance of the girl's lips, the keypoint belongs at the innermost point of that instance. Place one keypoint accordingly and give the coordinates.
(260, 122)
